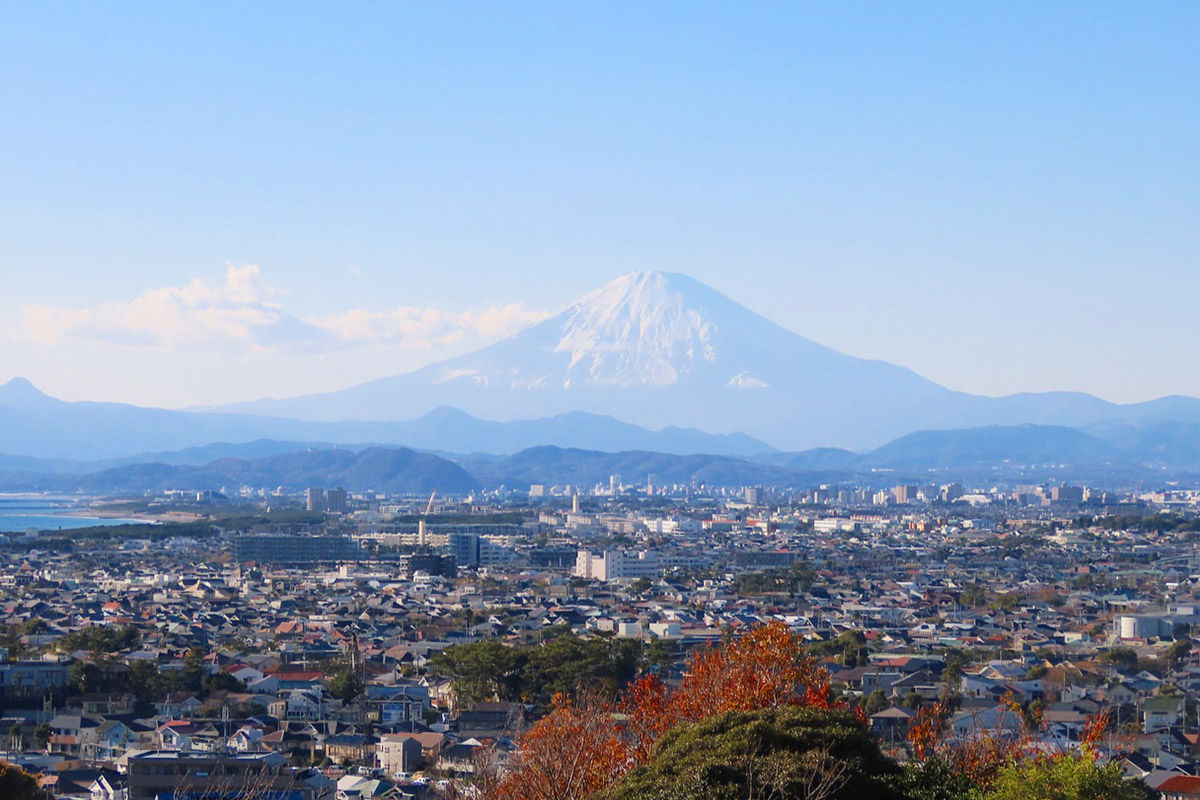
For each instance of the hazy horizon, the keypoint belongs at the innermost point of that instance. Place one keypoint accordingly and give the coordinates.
(214, 204)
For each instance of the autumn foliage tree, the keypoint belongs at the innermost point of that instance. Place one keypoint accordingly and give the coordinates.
(586, 745)
(764, 668)
(575, 751)
(978, 757)
(752, 719)
(1004, 762)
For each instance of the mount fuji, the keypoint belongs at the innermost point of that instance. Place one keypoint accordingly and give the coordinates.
(660, 349)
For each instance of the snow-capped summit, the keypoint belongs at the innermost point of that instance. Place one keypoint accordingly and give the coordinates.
(656, 348)
(644, 328)
(659, 349)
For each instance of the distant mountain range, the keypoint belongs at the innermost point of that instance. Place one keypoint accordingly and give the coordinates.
(650, 363)
(1128, 453)
(557, 465)
(658, 349)
(968, 449)
(36, 425)
(394, 470)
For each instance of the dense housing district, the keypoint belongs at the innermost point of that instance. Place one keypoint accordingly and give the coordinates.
(354, 646)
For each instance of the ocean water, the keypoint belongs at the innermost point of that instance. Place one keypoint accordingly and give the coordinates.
(19, 512)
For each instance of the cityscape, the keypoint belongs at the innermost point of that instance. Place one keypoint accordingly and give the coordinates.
(345, 643)
(545, 401)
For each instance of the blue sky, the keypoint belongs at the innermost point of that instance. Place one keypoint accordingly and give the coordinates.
(212, 202)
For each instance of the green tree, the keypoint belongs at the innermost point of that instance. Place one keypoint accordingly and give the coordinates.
(854, 648)
(481, 670)
(1179, 651)
(1066, 777)
(934, 779)
(143, 677)
(803, 576)
(101, 639)
(875, 702)
(222, 681)
(84, 677)
(346, 685)
(570, 662)
(1008, 602)
(952, 673)
(640, 585)
(562, 663)
(1121, 657)
(41, 735)
(146, 684)
(194, 670)
(973, 595)
(10, 635)
(850, 645)
(785, 752)
(799, 577)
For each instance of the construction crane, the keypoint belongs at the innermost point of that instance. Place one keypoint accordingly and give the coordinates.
(429, 505)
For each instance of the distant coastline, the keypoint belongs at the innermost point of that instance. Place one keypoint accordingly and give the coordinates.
(24, 511)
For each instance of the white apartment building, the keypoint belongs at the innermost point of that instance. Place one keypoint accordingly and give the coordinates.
(613, 565)
(834, 525)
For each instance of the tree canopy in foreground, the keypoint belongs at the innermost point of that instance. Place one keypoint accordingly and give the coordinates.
(786, 752)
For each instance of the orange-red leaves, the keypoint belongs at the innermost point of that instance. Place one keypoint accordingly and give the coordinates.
(586, 745)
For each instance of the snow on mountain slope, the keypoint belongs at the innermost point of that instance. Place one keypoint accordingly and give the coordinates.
(657, 348)
(644, 329)
(661, 349)
(636, 331)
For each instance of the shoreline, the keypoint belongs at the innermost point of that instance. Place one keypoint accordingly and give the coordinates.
(96, 513)
(134, 517)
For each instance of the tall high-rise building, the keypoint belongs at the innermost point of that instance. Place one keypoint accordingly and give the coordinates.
(464, 547)
(337, 501)
(314, 498)
(951, 492)
(1066, 494)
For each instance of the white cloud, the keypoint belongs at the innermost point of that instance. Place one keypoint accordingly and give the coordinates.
(240, 313)
(429, 327)
(245, 312)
